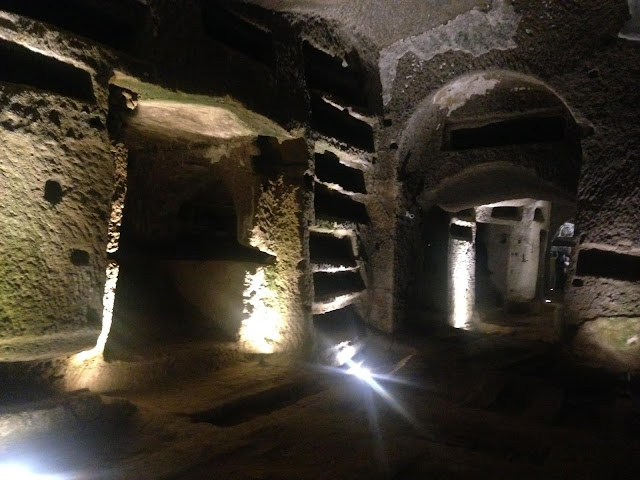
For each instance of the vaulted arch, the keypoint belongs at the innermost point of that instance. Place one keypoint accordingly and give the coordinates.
(487, 141)
(487, 117)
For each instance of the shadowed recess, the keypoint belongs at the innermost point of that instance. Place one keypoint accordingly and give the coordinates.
(507, 213)
(333, 75)
(330, 170)
(461, 232)
(331, 250)
(333, 205)
(112, 22)
(23, 66)
(252, 406)
(345, 322)
(329, 285)
(340, 124)
(238, 34)
(603, 263)
(79, 257)
(53, 192)
(516, 131)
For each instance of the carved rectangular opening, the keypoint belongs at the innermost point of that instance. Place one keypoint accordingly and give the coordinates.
(602, 263)
(340, 124)
(331, 285)
(538, 215)
(332, 205)
(514, 131)
(340, 325)
(507, 213)
(331, 252)
(183, 271)
(23, 66)
(238, 34)
(460, 232)
(333, 75)
(330, 170)
(115, 23)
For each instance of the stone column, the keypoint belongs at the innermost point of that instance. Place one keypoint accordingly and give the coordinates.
(524, 255)
(462, 264)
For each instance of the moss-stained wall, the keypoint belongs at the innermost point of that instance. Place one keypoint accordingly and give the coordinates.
(56, 175)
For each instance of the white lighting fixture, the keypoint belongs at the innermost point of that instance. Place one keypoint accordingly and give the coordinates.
(357, 370)
(368, 377)
(345, 352)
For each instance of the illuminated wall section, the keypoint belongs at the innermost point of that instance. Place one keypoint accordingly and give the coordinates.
(462, 262)
(273, 318)
(56, 180)
(119, 153)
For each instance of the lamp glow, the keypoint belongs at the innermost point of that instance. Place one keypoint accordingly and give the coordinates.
(272, 311)
(357, 370)
(370, 378)
(345, 352)
(260, 330)
(14, 471)
(108, 300)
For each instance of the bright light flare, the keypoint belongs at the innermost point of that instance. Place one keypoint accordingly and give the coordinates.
(370, 378)
(371, 389)
(361, 372)
(345, 352)
(14, 471)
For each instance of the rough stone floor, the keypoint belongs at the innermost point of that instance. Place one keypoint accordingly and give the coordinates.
(463, 406)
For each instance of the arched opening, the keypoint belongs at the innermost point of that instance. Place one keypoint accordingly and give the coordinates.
(182, 270)
(498, 245)
(204, 261)
(490, 166)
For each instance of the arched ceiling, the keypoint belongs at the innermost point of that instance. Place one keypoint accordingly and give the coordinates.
(501, 111)
(381, 21)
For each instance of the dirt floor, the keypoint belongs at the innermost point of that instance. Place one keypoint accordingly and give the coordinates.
(454, 406)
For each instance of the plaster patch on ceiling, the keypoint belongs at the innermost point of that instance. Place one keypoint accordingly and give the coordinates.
(475, 32)
(455, 95)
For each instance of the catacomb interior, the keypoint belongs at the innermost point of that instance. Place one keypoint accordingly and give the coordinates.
(406, 231)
